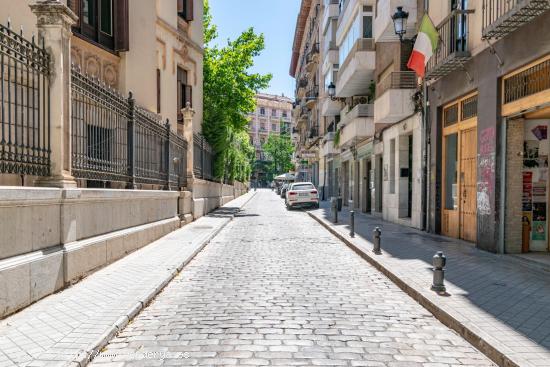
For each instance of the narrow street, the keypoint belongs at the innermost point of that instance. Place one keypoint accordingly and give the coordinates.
(275, 288)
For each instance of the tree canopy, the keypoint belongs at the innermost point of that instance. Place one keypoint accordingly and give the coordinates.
(278, 149)
(229, 95)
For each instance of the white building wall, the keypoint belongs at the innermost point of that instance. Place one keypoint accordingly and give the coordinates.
(395, 202)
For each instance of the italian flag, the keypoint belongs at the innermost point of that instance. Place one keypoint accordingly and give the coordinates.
(424, 47)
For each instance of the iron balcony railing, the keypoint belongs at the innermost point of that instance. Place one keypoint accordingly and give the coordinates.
(397, 80)
(203, 158)
(501, 17)
(453, 50)
(24, 105)
(113, 140)
(527, 82)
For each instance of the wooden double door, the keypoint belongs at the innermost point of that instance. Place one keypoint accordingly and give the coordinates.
(459, 212)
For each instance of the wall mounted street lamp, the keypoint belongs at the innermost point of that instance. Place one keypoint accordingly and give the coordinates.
(400, 18)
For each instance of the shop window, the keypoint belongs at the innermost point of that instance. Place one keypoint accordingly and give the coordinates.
(185, 92)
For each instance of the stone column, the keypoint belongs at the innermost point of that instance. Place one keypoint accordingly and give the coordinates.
(188, 114)
(54, 21)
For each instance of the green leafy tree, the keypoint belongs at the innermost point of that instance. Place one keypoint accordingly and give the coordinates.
(278, 149)
(229, 95)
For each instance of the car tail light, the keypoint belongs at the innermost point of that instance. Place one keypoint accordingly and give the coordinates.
(292, 193)
(314, 192)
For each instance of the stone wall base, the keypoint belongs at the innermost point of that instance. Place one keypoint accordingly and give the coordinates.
(27, 278)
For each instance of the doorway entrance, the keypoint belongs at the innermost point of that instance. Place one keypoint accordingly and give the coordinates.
(366, 205)
(459, 214)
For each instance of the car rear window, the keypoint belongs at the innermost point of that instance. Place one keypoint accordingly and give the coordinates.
(303, 187)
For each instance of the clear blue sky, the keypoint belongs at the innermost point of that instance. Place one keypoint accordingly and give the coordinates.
(276, 19)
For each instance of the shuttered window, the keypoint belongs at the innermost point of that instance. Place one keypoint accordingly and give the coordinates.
(104, 22)
(185, 92)
(185, 9)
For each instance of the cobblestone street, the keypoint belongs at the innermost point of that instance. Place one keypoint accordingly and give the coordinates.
(275, 288)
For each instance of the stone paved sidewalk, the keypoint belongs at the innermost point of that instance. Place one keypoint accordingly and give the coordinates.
(497, 302)
(63, 328)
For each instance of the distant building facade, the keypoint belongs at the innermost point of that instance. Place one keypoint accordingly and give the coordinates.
(273, 115)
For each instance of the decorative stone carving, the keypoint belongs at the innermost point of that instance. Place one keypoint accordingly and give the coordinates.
(110, 74)
(76, 56)
(92, 65)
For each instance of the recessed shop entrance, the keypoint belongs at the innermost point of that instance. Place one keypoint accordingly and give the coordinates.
(459, 192)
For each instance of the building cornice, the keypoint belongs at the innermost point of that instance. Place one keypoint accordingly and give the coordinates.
(180, 35)
(299, 35)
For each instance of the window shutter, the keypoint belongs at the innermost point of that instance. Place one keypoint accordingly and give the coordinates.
(180, 6)
(122, 36)
(188, 95)
(189, 10)
(74, 5)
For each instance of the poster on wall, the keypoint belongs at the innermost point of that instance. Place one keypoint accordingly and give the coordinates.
(539, 192)
(539, 212)
(539, 231)
(535, 181)
(527, 191)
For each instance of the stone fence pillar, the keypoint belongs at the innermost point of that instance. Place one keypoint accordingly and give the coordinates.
(188, 114)
(54, 21)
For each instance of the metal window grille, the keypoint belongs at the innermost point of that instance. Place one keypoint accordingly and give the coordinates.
(24, 105)
(528, 82)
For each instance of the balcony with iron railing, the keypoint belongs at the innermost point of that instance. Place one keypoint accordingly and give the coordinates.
(454, 45)
(394, 97)
(501, 17)
(312, 57)
(312, 95)
(357, 70)
(303, 116)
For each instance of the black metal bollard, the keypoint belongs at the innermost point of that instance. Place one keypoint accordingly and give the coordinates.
(377, 238)
(334, 205)
(439, 260)
(352, 223)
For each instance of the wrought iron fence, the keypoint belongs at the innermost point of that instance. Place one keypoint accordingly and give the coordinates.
(203, 158)
(113, 140)
(24, 105)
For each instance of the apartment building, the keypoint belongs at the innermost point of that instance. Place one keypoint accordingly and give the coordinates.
(305, 68)
(273, 115)
(489, 98)
(444, 153)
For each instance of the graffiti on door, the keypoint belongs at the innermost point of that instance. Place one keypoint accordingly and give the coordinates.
(486, 175)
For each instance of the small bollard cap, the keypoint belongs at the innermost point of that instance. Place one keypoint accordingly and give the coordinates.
(439, 260)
